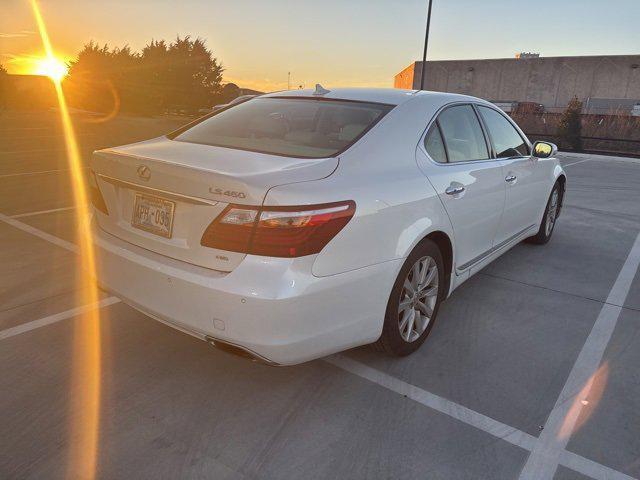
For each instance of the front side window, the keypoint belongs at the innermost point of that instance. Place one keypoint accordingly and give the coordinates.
(295, 127)
(506, 139)
(434, 145)
(463, 134)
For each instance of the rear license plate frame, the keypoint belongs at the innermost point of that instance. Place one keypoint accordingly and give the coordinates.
(159, 202)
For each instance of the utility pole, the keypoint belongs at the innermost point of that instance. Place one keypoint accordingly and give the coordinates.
(288, 80)
(426, 43)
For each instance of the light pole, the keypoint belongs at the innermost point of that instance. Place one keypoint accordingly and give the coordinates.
(426, 43)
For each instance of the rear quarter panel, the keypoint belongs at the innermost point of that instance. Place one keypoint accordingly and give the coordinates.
(396, 206)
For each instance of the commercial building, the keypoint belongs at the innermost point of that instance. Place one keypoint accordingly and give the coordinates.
(604, 84)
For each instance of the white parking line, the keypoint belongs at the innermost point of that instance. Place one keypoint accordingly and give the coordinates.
(590, 468)
(428, 399)
(42, 322)
(575, 163)
(440, 404)
(548, 450)
(53, 210)
(37, 150)
(470, 417)
(41, 172)
(39, 233)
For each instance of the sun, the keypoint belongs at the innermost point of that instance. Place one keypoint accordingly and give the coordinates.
(52, 67)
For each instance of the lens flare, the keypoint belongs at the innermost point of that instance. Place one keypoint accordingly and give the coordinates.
(85, 393)
(52, 67)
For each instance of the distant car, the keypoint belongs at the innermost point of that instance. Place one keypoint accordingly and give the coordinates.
(304, 223)
(235, 101)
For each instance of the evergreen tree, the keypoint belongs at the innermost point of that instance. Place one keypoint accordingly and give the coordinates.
(570, 125)
(182, 75)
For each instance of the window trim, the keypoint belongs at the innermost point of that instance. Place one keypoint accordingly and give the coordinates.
(434, 119)
(523, 137)
(436, 125)
(493, 158)
(173, 135)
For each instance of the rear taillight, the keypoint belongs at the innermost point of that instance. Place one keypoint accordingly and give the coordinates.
(95, 194)
(278, 231)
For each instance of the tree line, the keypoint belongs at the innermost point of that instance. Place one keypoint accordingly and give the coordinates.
(177, 76)
(180, 75)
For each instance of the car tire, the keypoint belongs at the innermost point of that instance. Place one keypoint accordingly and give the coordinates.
(549, 219)
(405, 329)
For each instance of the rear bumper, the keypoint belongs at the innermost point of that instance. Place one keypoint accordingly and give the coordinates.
(272, 307)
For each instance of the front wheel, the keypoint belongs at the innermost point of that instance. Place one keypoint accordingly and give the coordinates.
(414, 301)
(549, 219)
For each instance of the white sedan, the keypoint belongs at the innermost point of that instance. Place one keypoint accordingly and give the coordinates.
(302, 223)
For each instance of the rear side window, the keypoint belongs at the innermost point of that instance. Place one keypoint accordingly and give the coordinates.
(434, 145)
(506, 139)
(295, 127)
(463, 134)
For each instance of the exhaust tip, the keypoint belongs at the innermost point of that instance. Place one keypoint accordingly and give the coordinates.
(237, 351)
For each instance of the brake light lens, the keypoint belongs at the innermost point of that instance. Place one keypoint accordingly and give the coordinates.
(94, 193)
(278, 231)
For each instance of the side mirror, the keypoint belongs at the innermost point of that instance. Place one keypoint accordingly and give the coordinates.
(544, 150)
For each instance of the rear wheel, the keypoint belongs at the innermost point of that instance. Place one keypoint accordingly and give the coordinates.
(549, 219)
(414, 301)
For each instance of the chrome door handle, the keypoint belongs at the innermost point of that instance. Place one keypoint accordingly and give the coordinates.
(454, 190)
(510, 178)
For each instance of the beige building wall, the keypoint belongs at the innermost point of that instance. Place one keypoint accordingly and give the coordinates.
(552, 81)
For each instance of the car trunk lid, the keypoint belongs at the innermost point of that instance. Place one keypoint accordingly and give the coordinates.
(196, 182)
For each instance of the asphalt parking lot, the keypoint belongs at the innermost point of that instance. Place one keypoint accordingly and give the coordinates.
(497, 392)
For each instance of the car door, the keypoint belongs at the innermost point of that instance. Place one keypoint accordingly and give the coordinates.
(468, 181)
(523, 176)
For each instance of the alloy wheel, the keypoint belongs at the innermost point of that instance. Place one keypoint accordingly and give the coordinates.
(552, 213)
(418, 299)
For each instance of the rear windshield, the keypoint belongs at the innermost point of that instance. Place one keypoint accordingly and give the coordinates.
(309, 128)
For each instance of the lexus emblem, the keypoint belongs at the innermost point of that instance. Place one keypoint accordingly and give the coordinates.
(144, 172)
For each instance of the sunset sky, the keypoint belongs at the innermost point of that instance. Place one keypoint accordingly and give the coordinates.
(336, 43)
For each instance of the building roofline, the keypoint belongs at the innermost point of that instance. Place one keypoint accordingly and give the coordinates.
(527, 59)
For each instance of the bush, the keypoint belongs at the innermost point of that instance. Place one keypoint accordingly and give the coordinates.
(570, 125)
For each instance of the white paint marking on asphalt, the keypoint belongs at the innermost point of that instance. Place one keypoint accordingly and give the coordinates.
(39, 233)
(590, 468)
(576, 163)
(42, 172)
(41, 212)
(470, 417)
(447, 407)
(37, 150)
(548, 450)
(43, 322)
(442, 405)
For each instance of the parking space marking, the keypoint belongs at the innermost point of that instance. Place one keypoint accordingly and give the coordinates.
(590, 468)
(470, 417)
(37, 150)
(440, 404)
(431, 400)
(576, 163)
(39, 233)
(41, 212)
(42, 172)
(548, 450)
(43, 322)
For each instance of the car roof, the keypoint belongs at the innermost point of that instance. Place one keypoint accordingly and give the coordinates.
(392, 96)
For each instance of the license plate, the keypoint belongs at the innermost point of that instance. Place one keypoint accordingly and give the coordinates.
(153, 214)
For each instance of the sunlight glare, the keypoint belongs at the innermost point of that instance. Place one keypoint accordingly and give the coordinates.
(84, 394)
(52, 67)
